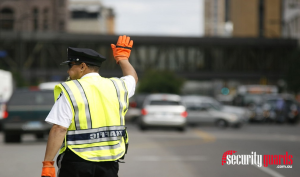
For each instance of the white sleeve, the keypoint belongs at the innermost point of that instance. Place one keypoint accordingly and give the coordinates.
(61, 112)
(130, 83)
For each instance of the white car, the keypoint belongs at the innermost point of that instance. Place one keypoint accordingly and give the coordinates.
(164, 110)
(206, 110)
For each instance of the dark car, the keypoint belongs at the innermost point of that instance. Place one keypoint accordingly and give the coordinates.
(281, 109)
(135, 107)
(27, 110)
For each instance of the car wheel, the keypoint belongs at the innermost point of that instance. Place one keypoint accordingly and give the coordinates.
(143, 128)
(12, 137)
(39, 136)
(221, 123)
(181, 129)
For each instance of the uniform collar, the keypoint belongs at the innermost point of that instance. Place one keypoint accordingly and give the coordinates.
(90, 74)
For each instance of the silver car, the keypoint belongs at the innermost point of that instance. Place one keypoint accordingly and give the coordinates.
(165, 110)
(206, 110)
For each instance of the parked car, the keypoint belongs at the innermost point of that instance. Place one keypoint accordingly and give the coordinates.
(135, 107)
(206, 110)
(26, 113)
(163, 110)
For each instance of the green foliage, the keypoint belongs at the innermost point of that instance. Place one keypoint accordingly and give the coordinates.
(19, 79)
(154, 81)
(292, 76)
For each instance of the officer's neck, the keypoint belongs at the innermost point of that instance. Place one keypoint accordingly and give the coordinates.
(85, 73)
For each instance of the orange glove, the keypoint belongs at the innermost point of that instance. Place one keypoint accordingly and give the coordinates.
(123, 48)
(48, 169)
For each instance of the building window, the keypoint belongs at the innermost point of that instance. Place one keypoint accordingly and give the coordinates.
(61, 26)
(35, 15)
(261, 16)
(227, 11)
(6, 19)
(84, 15)
(45, 19)
(61, 3)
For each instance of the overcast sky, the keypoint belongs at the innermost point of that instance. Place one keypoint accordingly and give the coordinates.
(158, 17)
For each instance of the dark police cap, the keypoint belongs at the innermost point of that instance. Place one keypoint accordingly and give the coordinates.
(88, 56)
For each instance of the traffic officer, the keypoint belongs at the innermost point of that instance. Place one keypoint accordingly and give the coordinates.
(88, 115)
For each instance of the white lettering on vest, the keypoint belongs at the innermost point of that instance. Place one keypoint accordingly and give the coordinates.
(93, 136)
(112, 133)
(102, 134)
(105, 134)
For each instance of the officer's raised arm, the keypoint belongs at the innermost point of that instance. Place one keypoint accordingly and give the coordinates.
(121, 53)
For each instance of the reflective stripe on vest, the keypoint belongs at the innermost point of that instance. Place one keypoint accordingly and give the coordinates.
(95, 135)
(76, 110)
(122, 104)
(91, 136)
(107, 157)
(97, 148)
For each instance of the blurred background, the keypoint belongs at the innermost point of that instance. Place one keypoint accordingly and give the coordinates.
(233, 63)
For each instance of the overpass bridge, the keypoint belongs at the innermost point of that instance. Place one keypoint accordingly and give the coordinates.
(36, 56)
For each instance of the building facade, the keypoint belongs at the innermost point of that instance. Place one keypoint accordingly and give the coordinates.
(90, 16)
(33, 15)
(214, 23)
(244, 18)
(291, 19)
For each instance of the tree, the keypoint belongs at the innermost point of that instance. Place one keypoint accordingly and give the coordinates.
(155, 81)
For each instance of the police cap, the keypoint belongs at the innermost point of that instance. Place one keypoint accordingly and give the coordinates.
(88, 56)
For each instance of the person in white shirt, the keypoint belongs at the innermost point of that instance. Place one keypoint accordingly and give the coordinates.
(61, 113)
(83, 63)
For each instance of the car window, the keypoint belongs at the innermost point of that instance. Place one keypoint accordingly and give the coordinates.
(163, 102)
(193, 106)
(32, 98)
(253, 99)
(215, 104)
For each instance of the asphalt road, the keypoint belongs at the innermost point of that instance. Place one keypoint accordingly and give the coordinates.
(169, 153)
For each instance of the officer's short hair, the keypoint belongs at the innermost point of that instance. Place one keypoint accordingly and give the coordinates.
(94, 67)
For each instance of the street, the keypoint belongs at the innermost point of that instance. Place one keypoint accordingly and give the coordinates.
(169, 153)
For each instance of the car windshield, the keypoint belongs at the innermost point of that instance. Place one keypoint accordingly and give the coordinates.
(217, 105)
(163, 102)
(205, 104)
(32, 98)
(250, 99)
(214, 105)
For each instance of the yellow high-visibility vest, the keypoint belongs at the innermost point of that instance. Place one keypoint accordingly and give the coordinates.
(97, 132)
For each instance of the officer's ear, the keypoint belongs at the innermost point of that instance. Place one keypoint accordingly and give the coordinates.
(83, 65)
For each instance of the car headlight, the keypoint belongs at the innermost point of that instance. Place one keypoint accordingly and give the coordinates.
(232, 117)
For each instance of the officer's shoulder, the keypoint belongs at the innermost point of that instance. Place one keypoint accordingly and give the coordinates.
(114, 78)
(62, 83)
(66, 82)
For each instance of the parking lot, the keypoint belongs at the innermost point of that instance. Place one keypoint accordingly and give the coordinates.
(167, 152)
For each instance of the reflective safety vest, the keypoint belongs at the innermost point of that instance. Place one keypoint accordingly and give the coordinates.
(97, 132)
